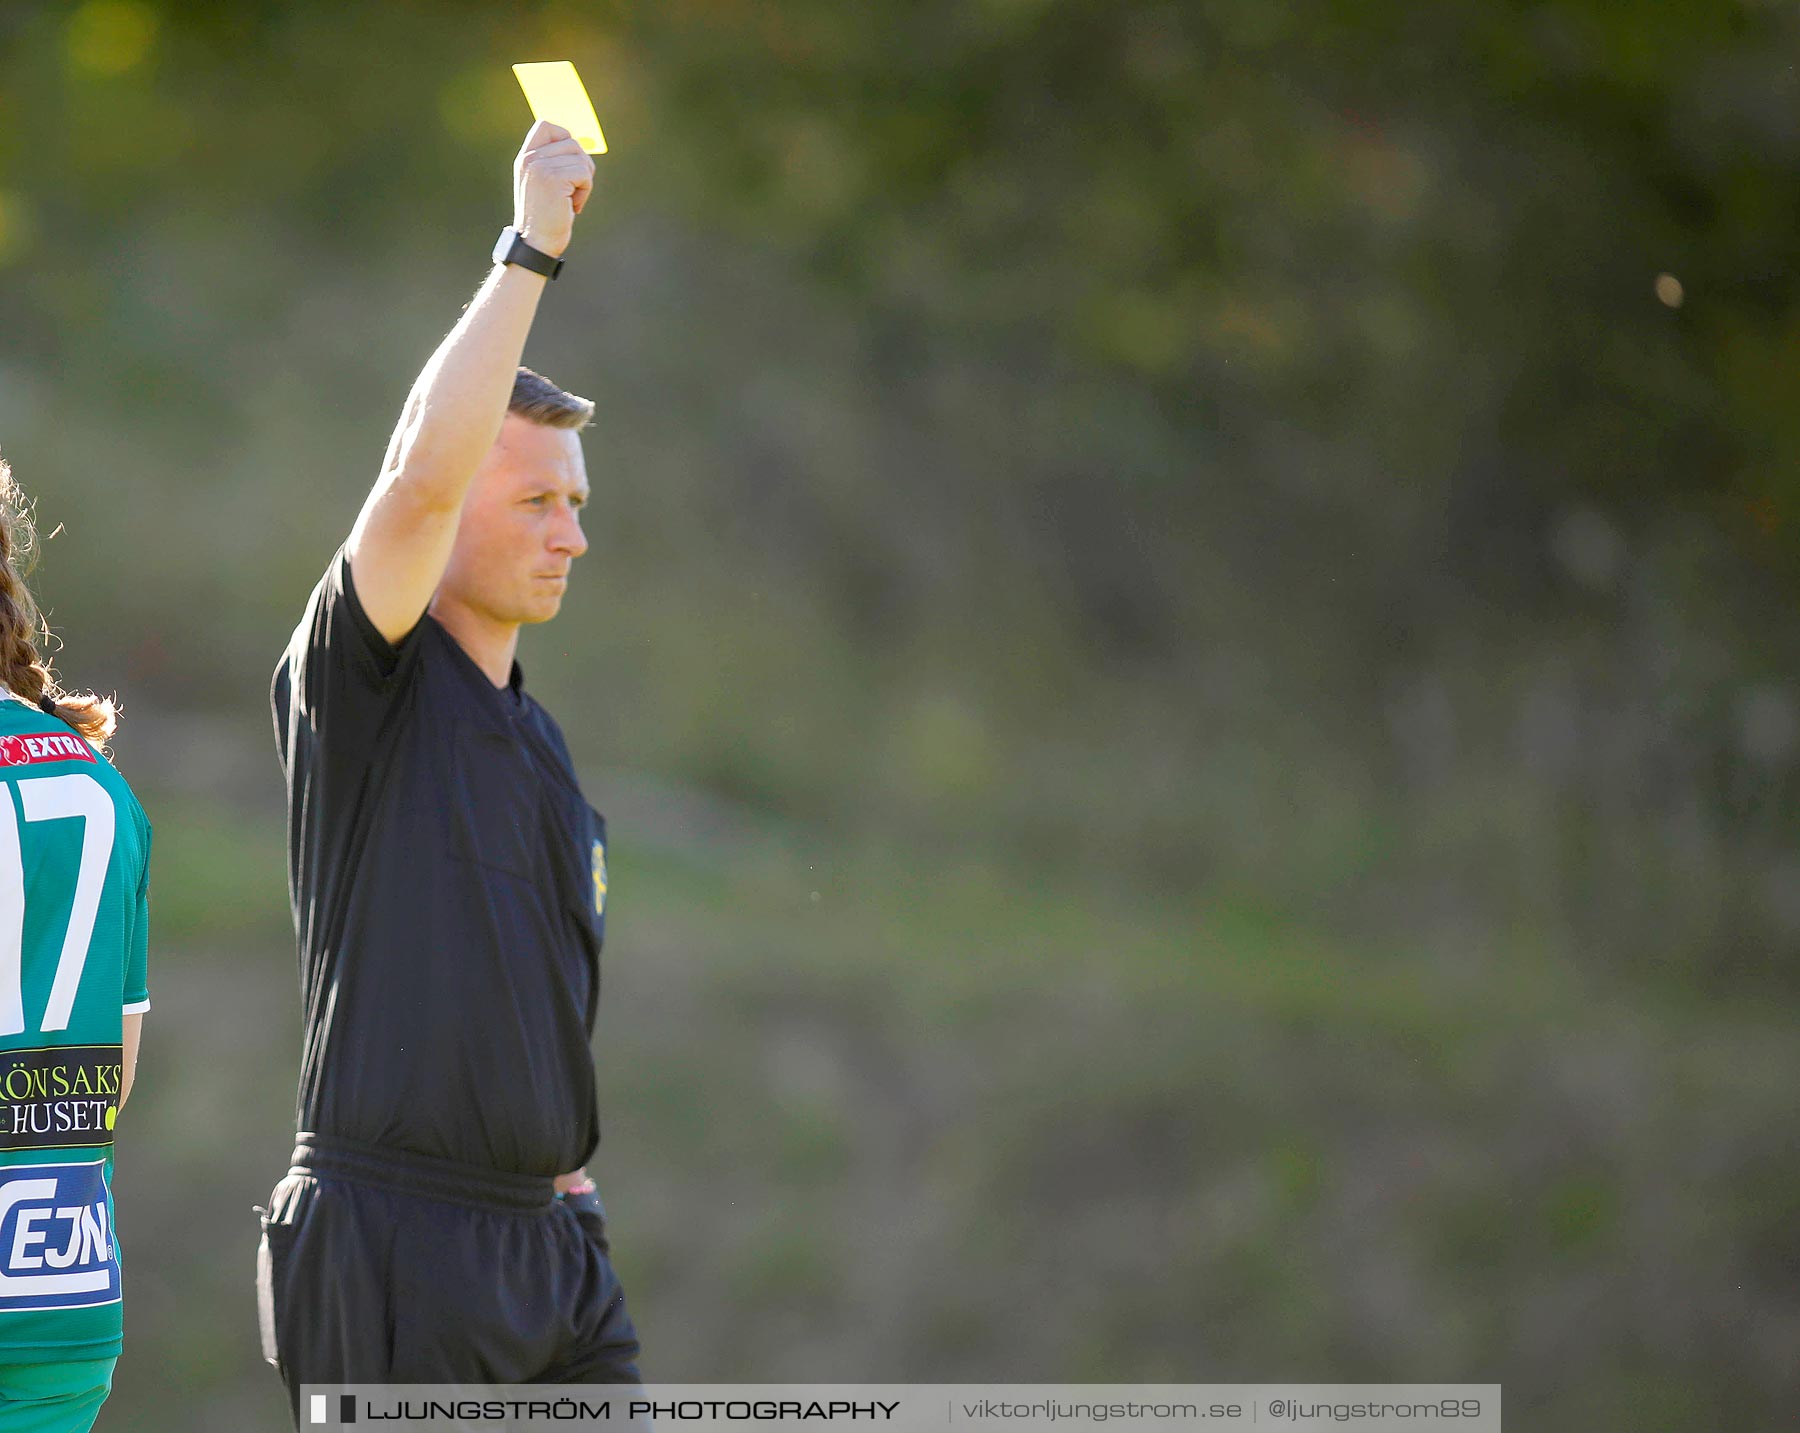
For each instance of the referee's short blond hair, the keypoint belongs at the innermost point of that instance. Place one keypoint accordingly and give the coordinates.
(537, 400)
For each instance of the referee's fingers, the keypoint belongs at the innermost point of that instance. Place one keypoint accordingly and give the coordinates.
(541, 133)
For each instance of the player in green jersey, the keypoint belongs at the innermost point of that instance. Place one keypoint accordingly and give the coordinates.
(74, 863)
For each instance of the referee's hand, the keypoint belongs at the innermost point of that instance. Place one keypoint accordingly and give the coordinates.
(552, 179)
(584, 1203)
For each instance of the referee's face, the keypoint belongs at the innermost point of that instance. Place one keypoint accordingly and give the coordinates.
(521, 525)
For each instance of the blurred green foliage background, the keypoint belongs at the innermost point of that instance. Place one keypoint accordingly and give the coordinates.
(1187, 649)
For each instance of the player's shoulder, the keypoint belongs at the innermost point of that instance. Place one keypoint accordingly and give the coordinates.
(31, 737)
(34, 743)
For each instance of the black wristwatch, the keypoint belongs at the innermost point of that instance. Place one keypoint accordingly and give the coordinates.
(512, 249)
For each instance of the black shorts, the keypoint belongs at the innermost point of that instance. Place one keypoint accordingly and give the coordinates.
(379, 1266)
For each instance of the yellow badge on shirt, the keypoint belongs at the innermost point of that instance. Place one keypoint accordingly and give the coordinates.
(599, 879)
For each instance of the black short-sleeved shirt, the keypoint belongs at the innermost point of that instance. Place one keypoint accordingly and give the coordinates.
(448, 881)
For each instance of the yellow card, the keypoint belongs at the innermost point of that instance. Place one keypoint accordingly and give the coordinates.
(557, 94)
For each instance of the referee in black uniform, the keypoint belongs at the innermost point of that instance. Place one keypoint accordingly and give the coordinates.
(449, 890)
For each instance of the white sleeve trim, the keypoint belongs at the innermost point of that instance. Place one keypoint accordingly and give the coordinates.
(136, 1008)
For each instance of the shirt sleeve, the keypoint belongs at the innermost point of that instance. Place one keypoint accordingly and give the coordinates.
(339, 675)
(137, 957)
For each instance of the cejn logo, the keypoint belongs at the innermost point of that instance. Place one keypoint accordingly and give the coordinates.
(46, 746)
(56, 1245)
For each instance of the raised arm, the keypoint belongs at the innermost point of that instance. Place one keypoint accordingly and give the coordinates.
(403, 536)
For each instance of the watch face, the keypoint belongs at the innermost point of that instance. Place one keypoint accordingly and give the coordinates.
(512, 249)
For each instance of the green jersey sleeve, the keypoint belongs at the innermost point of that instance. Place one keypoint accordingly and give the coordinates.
(137, 955)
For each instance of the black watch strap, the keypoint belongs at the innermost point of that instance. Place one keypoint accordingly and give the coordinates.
(512, 249)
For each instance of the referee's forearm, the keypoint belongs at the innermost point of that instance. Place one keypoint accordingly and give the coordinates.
(456, 407)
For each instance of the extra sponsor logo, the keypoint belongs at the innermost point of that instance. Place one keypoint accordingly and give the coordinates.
(56, 1244)
(44, 746)
(61, 1097)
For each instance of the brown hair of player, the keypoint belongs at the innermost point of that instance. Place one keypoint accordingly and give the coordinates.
(23, 671)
